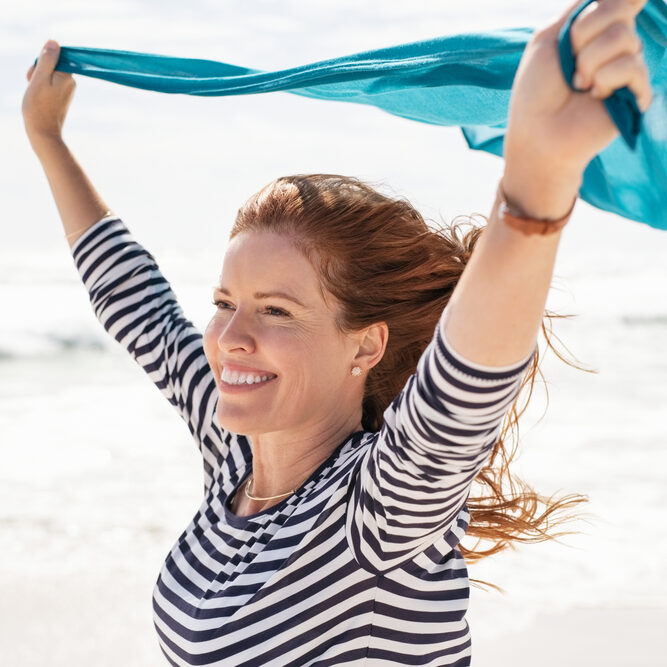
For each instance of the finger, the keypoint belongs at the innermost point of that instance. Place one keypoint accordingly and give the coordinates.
(597, 17)
(554, 27)
(30, 72)
(63, 79)
(627, 70)
(48, 59)
(617, 40)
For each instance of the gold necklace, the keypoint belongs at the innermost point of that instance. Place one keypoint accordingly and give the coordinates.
(281, 495)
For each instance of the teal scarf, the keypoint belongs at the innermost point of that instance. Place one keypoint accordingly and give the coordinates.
(462, 80)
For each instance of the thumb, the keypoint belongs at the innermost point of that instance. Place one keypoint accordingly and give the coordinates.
(47, 61)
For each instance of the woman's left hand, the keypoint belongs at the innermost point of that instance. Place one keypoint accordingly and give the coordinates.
(553, 132)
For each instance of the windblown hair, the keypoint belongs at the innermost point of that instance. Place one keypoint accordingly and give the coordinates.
(377, 256)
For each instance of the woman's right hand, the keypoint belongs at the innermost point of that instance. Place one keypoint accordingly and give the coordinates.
(47, 98)
(553, 131)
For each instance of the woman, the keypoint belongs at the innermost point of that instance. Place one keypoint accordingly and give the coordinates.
(353, 380)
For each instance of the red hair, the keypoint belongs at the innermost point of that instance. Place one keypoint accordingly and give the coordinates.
(383, 263)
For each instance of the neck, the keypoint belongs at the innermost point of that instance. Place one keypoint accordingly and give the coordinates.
(283, 461)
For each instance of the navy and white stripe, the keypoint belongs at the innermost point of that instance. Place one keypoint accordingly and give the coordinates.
(361, 565)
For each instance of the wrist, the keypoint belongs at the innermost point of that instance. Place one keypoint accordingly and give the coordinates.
(45, 143)
(540, 196)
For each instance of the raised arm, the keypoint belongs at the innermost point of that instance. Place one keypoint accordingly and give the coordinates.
(130, 296)
(553, 133)
(45, 105)
(410, 491)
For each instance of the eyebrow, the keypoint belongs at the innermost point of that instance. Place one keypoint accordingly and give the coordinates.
(263, 295)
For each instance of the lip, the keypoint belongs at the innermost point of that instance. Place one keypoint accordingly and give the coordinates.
(244, 369)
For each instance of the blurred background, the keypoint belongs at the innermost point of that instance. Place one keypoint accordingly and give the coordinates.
(98, 474)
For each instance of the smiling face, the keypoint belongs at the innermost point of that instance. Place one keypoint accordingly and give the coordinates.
(280, 362)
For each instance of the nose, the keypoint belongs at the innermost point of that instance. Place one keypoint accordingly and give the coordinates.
(236, 335)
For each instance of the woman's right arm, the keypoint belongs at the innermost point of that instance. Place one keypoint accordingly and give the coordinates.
(129, 295)
(553, 133)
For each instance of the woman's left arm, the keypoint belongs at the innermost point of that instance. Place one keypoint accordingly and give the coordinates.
(553, 133)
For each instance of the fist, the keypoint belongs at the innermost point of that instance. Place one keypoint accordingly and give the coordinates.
(47, 97)
(553, 132)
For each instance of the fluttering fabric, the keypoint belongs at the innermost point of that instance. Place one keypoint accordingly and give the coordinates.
(458, 80)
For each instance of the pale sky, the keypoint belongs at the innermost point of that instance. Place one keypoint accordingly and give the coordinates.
(159, 159)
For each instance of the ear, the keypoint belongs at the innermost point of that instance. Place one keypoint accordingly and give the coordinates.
(372, 346)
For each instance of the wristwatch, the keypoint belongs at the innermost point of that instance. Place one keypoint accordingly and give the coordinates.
(513, 217)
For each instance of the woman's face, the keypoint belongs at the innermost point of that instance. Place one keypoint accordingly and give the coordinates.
(279, 361)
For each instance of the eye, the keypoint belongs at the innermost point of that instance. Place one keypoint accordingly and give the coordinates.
(276, 312)
(269, 310)
(222, 305)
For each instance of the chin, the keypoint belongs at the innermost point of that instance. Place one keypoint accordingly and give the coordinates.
(237, 422)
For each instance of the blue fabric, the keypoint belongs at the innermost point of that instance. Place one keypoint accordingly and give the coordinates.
(460, 80)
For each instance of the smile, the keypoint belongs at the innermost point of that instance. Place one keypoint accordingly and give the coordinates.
(237, 378)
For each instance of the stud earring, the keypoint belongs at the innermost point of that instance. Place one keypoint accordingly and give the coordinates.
(356, 371)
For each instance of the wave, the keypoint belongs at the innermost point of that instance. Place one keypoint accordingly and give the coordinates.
(39, 345)
(645, 320)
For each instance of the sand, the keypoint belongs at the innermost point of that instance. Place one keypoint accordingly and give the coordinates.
(591, 637)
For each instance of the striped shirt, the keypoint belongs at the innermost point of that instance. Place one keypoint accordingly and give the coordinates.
(361, 565)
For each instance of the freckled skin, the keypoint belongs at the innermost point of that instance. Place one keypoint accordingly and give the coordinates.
(295, 421)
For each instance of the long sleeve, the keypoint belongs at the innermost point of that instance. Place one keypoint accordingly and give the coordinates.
(136, 305)
(413, 483)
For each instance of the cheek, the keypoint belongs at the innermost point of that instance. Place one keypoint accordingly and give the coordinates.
(322, 359)
(210, 338)
(310, 356)
(300, 354)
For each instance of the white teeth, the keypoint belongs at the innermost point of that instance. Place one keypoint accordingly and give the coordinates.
(234, 377)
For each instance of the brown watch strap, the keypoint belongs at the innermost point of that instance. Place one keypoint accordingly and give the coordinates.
(516, 220)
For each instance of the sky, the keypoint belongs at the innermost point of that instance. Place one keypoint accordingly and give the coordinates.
(159, 160)
(176, 168)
